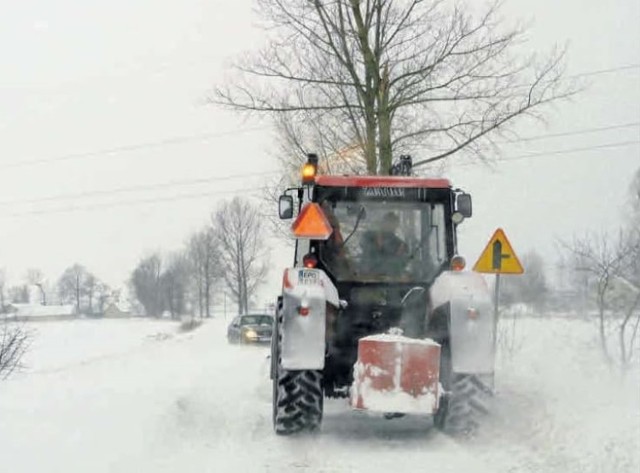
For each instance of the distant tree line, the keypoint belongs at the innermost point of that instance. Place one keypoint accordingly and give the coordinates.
(226, 253)
(606, 268)
(598, 278)
(76, 286)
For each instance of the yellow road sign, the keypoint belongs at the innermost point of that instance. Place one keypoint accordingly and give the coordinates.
(498, 257)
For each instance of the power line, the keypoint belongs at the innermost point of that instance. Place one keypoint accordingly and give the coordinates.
(605, 71)
(173, 198)
(107, 192)
(129, 148)
(192, 138)
(204, 136)
(208, 180)
(559, 152)
(180, 197)
(583, 131)
(171, 184)
(570, 150)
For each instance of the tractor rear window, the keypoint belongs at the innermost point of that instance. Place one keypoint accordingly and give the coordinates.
(384, 241)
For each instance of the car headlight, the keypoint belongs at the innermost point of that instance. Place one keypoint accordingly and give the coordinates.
(251, 334)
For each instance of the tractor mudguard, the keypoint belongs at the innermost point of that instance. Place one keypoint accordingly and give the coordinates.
(302, 323)
(470, 323)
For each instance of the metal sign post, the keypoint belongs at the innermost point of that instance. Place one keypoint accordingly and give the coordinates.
(496, 299)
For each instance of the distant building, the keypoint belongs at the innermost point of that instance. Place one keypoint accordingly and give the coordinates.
(41, 312)
(115, 311)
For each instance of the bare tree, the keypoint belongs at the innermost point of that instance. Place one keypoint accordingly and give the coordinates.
(71, 285)
(174, 282)
(529, 288)
(35, 277)
(205, 262)
(19, 294)
(13, 344)
(634, 200)
(147, 284)
(612, 264)
(89, 286)
(239, 233)
(102, 295)
(389, 76)
(631, 266)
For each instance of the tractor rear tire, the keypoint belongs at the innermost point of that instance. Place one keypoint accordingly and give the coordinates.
(462, 409)
(297, 401)
(298, 397)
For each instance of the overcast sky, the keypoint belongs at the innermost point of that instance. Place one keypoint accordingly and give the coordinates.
(79, 78)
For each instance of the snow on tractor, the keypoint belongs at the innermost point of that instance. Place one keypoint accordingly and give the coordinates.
(377, 307)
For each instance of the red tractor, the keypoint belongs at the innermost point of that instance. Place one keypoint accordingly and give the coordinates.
(377, 307)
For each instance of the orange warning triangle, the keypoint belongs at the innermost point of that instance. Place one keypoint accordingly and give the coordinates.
(312, 223)
(498, 257)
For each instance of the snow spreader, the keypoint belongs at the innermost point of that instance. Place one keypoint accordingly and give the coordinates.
(378, 307)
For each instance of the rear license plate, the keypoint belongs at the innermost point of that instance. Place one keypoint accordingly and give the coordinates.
(308, 277)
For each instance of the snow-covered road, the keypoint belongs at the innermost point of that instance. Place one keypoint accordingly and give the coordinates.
(139, 396)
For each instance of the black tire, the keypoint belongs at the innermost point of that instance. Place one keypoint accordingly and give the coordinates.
(298, 397)
(463, 407)
(297, 401)
(465, 402)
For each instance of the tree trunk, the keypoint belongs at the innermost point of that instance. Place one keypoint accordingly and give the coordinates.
(158, 294)
(200, 297)
(43, 296)
(625, 355)
(384, 125)
(601, 310)
(368, 96)
(207, 296)
(78, 294)
(370, 143)
(245, 296)
(239, 281)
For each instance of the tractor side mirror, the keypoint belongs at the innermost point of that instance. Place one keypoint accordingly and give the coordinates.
(285, 207)
(463, 205)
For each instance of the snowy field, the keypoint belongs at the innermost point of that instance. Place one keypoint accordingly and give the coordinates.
(140, 396)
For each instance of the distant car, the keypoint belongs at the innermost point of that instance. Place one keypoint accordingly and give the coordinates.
(250, 329)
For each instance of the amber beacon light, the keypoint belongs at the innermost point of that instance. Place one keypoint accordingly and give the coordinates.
(310, 169)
